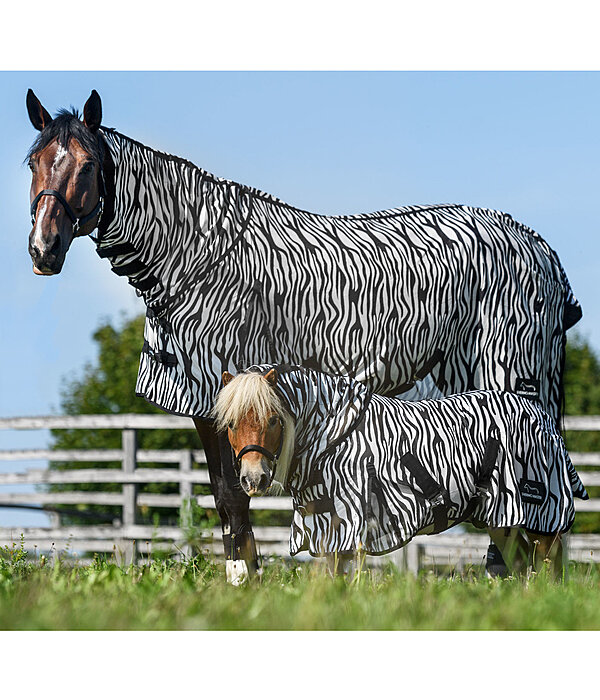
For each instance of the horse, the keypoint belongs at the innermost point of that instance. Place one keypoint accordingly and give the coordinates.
(416, 301)
(368, 473)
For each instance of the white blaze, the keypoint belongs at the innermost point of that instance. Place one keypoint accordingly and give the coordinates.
(61, 152)
(38, 239)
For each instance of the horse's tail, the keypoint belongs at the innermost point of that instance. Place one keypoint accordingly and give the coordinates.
(572, 313)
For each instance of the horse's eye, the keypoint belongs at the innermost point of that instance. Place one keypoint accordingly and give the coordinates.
(231, 426)
(31, 166)
(273, 420)
(87, 167)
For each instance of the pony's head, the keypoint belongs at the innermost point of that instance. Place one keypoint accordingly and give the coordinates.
(260, 430)
(67, 187)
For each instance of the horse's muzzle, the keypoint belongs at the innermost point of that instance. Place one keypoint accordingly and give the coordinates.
(49, 262)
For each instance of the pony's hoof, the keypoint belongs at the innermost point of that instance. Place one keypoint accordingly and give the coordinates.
(237, 572)
(494, 563)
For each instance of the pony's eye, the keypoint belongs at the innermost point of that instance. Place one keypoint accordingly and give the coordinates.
(231, 426)
(273, 420)
(31, 166)
(87, 167)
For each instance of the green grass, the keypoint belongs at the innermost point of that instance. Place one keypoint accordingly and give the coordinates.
(194, 596)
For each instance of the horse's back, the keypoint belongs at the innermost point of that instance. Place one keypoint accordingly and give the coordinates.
(414, 231)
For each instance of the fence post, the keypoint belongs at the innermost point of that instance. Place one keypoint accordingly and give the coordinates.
(129, 443)
(185, 491)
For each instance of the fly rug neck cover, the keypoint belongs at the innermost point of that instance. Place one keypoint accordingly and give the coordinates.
(372, 472)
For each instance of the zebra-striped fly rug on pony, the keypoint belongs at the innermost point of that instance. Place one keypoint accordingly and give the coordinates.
(466, 297)
(369, 472)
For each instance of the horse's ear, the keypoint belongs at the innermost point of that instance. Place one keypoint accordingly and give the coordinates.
(38, 115)
(271, 377)
(92, 112)
(227, 377)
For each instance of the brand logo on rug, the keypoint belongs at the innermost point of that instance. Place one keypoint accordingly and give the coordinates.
(527, 387)
(532, 491)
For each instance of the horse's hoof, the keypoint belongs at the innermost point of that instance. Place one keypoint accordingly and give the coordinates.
(237, 572)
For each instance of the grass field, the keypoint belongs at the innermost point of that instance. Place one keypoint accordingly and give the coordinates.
(194, 596)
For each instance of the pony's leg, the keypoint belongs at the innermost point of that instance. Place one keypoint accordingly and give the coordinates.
(514, 547)
(547, 551)
(494, 563)
(232, 505)
(341, 564)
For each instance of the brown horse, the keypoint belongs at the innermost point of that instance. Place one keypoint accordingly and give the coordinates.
(72, 193)
(262, 435)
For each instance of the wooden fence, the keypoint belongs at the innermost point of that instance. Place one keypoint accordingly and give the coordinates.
(129, 540)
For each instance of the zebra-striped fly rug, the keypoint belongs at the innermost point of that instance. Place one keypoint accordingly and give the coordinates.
(460, 297)
(372, 472)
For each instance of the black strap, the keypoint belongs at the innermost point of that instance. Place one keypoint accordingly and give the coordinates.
(488, 463)
(161, 356)
(77, 223)
(254, 448)
(161, 320)
(433, 492)
(151, 313)
(145, 284)
(110, 251)
(131, 268)
(61, 199)
(88, 217)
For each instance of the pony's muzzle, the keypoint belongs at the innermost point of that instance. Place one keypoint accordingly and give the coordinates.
(255, 479)
(254, 488)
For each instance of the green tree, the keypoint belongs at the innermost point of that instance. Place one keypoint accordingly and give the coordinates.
(582, 397)
(108, 386)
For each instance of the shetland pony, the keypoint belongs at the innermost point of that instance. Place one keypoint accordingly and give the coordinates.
(368, 473)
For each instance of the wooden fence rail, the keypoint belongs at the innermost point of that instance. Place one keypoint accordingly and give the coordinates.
(128, 539)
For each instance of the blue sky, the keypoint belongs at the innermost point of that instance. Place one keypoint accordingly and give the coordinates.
(525, 143)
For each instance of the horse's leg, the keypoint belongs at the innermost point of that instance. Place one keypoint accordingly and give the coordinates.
(513, 546)
(547, 550)
(232, 504)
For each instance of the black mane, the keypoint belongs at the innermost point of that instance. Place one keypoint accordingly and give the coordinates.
(65, 126)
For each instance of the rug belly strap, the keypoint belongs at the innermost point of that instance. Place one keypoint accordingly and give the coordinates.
(433, 492)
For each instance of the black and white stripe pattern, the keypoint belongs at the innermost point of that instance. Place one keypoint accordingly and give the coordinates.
(459, 297)
(351, 484)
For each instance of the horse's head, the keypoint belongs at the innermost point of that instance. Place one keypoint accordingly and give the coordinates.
(253, 414)
(67, 187)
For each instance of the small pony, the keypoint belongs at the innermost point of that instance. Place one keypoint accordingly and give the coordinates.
(368, 473)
